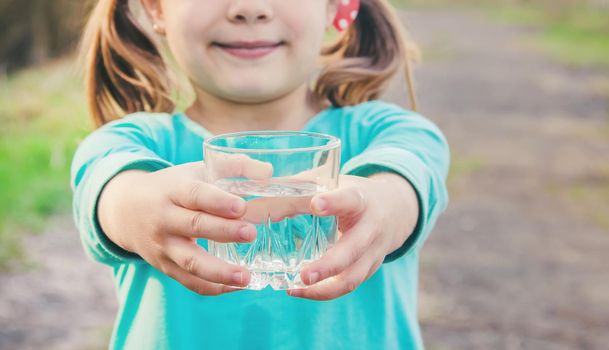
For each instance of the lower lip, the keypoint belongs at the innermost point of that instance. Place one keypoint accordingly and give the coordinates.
(252, 53)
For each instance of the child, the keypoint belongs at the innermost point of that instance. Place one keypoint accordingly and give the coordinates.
(142, 205)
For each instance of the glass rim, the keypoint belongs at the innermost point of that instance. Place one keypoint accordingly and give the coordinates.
(333, 141)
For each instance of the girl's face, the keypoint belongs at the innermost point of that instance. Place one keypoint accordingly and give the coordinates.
(245, 51)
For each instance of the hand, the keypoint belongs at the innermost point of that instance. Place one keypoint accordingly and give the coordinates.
(375, 217)
(159, 215)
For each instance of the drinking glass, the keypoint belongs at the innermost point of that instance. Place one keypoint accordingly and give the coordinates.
(277, 173)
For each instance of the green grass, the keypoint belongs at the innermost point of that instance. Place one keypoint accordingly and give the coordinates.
(43, 116)
(577, 36)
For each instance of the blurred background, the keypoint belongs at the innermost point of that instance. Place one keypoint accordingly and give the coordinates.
(520, 260)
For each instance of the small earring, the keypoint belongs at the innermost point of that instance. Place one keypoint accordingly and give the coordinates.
(157, 28)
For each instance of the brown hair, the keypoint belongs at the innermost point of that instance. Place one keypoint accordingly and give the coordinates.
(126, 73)
(364, 59)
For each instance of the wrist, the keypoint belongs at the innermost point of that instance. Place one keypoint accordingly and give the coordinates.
(110, 207)
(406, 205)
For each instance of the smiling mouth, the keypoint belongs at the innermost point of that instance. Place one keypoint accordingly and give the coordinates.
(249, 49)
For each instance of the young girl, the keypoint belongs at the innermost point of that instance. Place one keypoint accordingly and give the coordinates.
(142, 205)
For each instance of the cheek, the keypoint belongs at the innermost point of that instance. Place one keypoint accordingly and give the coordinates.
(187, 33)
(307, 25)
(307, 36)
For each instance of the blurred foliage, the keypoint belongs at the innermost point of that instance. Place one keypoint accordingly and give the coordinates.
(43, 118)
(34, 31)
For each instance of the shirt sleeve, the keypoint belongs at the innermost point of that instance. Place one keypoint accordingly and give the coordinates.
(118, 146)
(406, 143)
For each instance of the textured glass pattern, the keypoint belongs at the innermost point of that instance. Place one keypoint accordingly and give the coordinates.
(288, 235)
(278, 204)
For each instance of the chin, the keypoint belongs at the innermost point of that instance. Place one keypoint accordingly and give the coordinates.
(254, 93)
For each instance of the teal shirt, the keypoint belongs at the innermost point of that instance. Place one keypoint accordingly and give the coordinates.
(156, 312)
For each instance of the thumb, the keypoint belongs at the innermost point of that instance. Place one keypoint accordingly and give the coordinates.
(341, 202)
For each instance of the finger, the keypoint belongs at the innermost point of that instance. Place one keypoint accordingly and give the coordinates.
(259, 210)
(340, 202)
(198, 224)
(199, 195)
(195, 283)
(196, 261)
(221, 165)
(338, 285)
(192, 170)
(313, 175)
(320, 173)
(346, 252)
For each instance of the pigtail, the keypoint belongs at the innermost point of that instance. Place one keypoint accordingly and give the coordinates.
(124, 69)
(360, 65)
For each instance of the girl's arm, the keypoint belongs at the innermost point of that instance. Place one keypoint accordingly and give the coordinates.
(133, 206)
(117, 147)
(402, 142)
(389, 197)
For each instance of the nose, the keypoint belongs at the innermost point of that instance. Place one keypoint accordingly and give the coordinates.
(250, 11)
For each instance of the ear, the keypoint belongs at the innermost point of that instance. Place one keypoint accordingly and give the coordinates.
(331, 11)
(154, 11)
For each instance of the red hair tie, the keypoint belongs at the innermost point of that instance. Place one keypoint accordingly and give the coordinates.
(346, 14)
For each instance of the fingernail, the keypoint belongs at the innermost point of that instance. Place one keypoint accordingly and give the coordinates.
(313, 277)
(293, 292)
(244, 233)
(320, 204)
(238, 207)
(238, 277)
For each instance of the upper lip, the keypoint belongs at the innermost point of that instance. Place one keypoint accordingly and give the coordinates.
(248, 44)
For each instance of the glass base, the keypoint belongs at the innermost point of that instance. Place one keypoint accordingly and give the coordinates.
(277, 280)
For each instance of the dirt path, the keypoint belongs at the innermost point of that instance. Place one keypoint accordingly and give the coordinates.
(514, 263)
(64, 302)
(517, 262)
